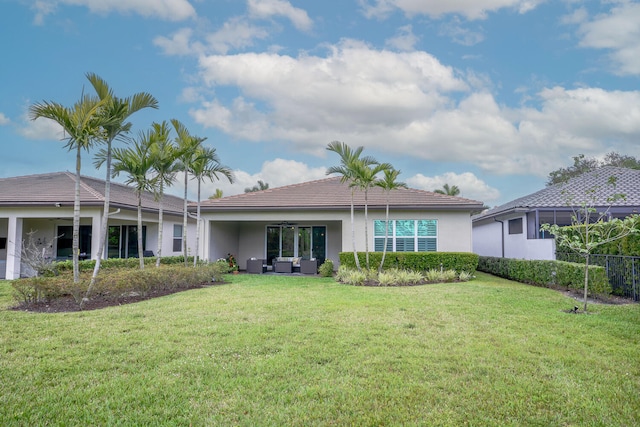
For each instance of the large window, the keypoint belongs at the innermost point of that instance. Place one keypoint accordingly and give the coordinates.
(65, 241)
(122, 241)
(293, 241)
(407, 235)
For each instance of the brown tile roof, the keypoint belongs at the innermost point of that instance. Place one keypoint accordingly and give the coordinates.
(331, 194)
(59, 187)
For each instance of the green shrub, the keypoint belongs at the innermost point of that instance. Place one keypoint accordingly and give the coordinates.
(88, 265)
(326, 269)
(388, 277)
(547, 273)
(116, 283)
(464, 276)
(415, 261)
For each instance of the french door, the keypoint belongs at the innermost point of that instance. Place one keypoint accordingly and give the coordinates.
(297, 241)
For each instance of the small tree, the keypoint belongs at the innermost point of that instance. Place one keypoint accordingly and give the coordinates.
(591, 228)
(37, 254)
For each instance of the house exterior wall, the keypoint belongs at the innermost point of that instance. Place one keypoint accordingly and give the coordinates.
(487, 239)
(15, 223)
(243, 233)
(488, 235)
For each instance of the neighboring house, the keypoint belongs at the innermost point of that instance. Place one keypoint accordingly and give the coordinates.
(312, 220)
(44, 204)
(513, 229)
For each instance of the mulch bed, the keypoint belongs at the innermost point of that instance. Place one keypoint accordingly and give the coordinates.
(68, 304)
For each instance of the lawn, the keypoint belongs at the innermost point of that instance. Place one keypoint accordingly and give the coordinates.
(299, 351)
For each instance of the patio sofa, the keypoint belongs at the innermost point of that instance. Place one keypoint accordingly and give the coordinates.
(294, 264)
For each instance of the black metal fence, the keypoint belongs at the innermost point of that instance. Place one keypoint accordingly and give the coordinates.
(623, 271)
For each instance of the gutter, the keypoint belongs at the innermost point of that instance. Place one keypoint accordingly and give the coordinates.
(501, 233)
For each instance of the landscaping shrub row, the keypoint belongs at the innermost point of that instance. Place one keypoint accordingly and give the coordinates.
(547, 273)
(117, 283)
(88, 265)
(416, 261)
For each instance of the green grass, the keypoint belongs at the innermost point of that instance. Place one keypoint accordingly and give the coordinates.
(296, 351)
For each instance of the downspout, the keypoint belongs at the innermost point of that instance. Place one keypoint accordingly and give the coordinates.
(501, 233)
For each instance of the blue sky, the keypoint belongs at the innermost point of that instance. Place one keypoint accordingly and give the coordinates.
(489, 95)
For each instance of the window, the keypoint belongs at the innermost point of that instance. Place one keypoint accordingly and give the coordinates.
(515, 226)
(407, 235)
(304, 241)
(177, 238)
(64, 244)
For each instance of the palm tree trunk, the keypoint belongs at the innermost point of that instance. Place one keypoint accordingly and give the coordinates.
(195, 258)
(366, 228)
(75, 245)
(353, 234)
(140, 248)
(184, 222)
(105, 222)
(160, 223)
(386, 236)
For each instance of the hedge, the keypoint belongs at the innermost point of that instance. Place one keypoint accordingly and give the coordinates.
(89, 264)
(417, 261)
(541, 273)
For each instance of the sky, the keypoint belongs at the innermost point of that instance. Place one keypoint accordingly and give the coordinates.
(488, 95)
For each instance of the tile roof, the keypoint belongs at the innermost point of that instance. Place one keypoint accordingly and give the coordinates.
(331, 194)
(59, 187)
(576, 191)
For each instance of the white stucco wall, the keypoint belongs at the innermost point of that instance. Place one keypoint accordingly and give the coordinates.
(488, 235)
(487, 239)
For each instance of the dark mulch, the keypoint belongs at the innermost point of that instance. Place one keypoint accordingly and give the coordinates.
(68, 304)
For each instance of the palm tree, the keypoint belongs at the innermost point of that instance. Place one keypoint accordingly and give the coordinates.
(164, 164)
(83, 124)
(217, 195)
(187, 146)
(449, 191)
(137, 163)
(348, 159)
(388, 183)
(260, 186)
(206, 166)
(116, 111)
(364, 178)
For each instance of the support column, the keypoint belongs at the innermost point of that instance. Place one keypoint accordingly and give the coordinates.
(14, 248)
(96, 228)
(205, 239)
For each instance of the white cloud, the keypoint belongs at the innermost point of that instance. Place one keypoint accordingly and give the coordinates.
(42, 8)
(41, 129)
(265, 9)
(4, 120)
(179, 43)
(459, 33)
(404, 39)
(236, 33)
(470, 9)
(409, 103)
(276, 173)
(471, 187)
(619, 32)
(352, 82)
(170, 10)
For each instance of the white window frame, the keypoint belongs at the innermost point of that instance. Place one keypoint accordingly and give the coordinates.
(418, 240)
